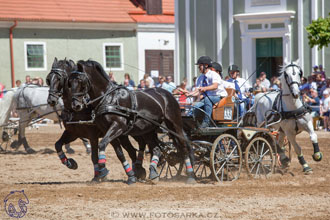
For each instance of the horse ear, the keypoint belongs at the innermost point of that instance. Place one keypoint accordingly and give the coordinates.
(71, 62)
(55, 62)
(80, 67)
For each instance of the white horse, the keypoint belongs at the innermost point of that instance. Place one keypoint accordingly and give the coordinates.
(6, 105)
(295, 116)
(30, 102)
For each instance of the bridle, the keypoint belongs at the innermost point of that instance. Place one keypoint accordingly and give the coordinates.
(85, 82)
(62, 75)
(287, 79)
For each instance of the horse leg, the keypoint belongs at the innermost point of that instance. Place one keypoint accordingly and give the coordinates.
(22, 138)
(66, 137)
(284, 160)
(292, 138)
(119, 152)
(156, 154)
(317, 156)
(95, 159)
(139, 171)
(187, 151)
(68, 149)
(87, 145)
(113, 132)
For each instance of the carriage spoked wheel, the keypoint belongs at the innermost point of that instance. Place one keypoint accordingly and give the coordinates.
(259, 158)
(226, 158)
(201, 166)
(170, 163)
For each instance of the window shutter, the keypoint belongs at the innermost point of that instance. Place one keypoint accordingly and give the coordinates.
(154, 7)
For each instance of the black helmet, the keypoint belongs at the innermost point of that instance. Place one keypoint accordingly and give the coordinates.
(233, 68)
(204, 60)
(217, 66)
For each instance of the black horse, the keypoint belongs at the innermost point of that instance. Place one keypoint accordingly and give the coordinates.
(119, 111)
(57, 80)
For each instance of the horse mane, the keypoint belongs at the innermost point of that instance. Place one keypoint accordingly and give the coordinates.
(96, 65)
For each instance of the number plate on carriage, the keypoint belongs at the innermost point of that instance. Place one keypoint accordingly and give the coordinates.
(228, 113)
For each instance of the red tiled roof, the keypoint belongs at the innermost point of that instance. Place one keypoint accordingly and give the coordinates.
(101, 11)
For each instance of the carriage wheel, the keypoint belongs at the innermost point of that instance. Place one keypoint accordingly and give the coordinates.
(202, 159)
(259, 158)
(226, 158)
(170, 164)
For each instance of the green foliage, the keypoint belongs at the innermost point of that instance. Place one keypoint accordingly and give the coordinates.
(319, 32)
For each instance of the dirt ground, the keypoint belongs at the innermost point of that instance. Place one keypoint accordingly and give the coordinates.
(56, 192)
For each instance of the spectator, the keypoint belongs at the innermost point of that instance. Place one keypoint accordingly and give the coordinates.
(257, 86)
(148, 80)
(127, 85)
(142, 84)
(2, 87)
(161, 81)
(304, 84)
(326, 85)
(18, 83)
(319, 83)
(322, 72)
(264, 82)
(182, 92)
(193, 87)
(131, 82)
(28, 79)
(324, 109)
(40, 81)
(35, 81)
(311, 82)
(313, 100)
(170, 84)
(315, 70)
(112, 77)
(276, 85)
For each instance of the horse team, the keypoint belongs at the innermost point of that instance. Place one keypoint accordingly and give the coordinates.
(95, 107)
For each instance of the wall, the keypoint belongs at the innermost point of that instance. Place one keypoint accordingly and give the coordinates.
(73, 44)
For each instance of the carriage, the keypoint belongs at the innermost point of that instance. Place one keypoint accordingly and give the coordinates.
(226, 146)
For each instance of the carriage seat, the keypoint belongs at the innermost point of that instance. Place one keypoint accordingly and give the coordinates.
(225, 108)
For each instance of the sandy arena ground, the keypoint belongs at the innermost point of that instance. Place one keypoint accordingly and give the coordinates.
(56, 192)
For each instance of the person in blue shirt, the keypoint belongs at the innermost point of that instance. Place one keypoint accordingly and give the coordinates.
(210, 86)
(241, 87)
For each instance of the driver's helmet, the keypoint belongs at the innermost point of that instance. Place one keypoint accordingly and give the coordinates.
(204, 60)
(217, 66)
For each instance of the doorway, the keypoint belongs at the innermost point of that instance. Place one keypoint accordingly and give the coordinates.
(161, 61)
(269, 58)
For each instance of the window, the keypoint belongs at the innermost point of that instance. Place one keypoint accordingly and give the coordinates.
(113, 56)
(260, 6)
(35, 56)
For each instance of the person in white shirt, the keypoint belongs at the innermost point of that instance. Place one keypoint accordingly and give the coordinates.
(241, 86)
(210, 85)
(265, 83)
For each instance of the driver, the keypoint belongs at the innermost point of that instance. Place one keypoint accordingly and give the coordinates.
(211, 87)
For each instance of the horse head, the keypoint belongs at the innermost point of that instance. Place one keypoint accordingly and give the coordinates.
(291, 79)
(57, 79)
(80, 85)
(89, 81)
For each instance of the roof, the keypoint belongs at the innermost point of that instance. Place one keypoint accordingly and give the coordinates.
(99, 11)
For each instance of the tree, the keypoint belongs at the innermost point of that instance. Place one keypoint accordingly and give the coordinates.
(319, 32)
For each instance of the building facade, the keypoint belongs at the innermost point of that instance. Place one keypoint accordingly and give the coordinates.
(256, 35)
(115, 33)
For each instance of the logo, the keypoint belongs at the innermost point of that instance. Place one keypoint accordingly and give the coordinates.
(15, 204)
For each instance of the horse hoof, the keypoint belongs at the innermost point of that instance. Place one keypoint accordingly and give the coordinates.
(95, 180)
(15, 145)
(191, 181)
(72, 164)
(317, 156)
(140, 173)
(103, 173)
(308, 170)
(285, 162)
(69, 150)
(131, 180)
(153, 174)
(29, 150)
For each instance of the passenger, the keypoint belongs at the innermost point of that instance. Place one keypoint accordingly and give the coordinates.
(210, 85)
(241, 87)
(218, 68)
